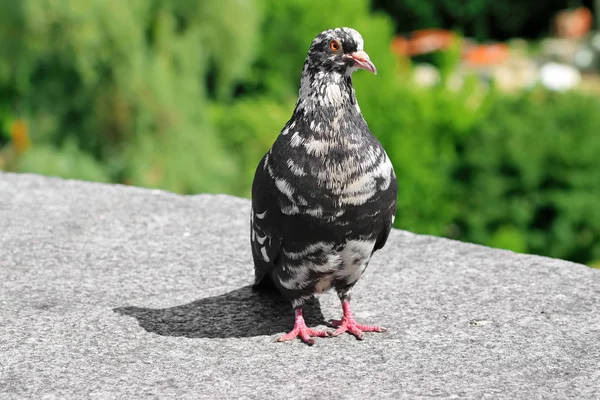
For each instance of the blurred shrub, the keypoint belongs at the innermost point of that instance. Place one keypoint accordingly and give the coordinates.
(249, 127)
(420, 129)
(68, 162)
(119, 87)
(530, 176)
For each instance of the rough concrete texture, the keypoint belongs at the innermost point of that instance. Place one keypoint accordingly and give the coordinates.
(117, 292)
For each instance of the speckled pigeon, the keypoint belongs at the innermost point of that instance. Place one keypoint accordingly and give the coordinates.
(324, 196)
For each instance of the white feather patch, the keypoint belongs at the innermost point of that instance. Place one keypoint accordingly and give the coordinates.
(355, 257)
(263, 251)
(295, 168)
(261, 239)
(296, 140)
(285, 187)
(333, 95)
(290, 210)
(310, 249)
(365, 186)
(302, 201)
(315, 212)
(333, 263)
(298, 281)
(317, 147)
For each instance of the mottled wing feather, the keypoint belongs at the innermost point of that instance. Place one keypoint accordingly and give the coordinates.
(383, 237)
(265, 220)
(385, 233)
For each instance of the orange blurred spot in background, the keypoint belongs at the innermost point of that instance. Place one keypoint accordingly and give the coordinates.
(573, 24)
(423, 41)
(20, 136)
(401, 46)
(431, 40)
(489, 54)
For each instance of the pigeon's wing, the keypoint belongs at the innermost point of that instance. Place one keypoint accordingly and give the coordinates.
(391, 196)
(383, 236)
(265, 231)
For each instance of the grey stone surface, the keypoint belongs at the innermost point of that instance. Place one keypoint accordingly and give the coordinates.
(109, 291)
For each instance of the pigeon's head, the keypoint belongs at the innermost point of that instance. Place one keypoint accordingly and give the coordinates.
(338, 50)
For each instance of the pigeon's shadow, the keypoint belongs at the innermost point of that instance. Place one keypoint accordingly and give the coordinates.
(243, 312)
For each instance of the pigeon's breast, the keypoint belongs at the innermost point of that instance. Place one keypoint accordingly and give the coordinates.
(322, 178)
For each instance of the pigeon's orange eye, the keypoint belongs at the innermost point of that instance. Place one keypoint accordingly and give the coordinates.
(335, 45)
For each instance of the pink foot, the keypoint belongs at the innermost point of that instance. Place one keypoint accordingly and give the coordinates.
(348, 324)
(300, 330)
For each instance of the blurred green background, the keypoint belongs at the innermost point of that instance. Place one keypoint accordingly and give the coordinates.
(188, 95)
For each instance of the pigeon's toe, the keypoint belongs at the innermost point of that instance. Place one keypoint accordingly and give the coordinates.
(303, 333)
(353, 328)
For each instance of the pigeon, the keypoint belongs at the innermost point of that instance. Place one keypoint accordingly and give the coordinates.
(324, 196)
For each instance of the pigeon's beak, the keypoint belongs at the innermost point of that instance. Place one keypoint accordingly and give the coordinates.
(362, 60)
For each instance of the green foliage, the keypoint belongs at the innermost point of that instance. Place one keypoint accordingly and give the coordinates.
(67, 161)
(530, 180)
(419, 129)
(124, 83)
(249, 127)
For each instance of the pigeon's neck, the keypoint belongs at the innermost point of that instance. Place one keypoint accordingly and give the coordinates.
(326, 89)
(327, 98)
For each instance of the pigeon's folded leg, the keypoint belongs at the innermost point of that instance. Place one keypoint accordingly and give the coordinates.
(348, 324)
(302, 331)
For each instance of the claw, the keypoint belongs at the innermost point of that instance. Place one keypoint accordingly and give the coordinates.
(305, 334)
(302, 331)
(348, 324)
